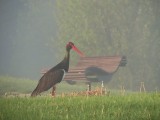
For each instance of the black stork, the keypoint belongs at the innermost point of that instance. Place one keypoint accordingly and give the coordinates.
(55, 74)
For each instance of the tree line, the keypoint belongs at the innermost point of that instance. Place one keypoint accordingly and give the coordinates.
(121, 27)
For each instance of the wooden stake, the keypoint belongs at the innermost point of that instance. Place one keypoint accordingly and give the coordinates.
(122, 90)
(89, 86)
(102, 87)
(142, 87)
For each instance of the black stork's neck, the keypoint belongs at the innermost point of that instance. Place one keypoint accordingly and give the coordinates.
(66, 60)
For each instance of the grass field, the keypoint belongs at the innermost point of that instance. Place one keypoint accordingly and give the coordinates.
(26, 86)
(11, 84)
(131, 106)
(116, 107)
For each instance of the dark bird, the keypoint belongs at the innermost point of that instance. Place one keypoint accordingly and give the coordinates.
(55, 74)
(97, 74)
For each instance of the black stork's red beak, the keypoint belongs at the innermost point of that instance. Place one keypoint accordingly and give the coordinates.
(77, 50)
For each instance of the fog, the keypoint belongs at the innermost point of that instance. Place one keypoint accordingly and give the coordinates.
(32, 33)
(27, 35)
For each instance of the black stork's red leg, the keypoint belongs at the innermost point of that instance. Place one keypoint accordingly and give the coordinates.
(54, 91)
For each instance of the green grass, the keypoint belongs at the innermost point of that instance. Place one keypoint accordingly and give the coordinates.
(114, 107)
(132, 106)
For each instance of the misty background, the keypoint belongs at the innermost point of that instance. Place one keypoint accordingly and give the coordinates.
(27, 34)
(33, 35)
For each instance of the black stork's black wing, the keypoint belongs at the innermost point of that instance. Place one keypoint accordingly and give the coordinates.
(48, 80)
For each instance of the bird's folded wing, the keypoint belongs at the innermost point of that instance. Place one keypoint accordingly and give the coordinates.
(49, 79)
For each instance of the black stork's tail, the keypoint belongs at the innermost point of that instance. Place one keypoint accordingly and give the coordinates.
(34, 93)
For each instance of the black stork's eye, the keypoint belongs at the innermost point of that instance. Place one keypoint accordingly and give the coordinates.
(71, 44)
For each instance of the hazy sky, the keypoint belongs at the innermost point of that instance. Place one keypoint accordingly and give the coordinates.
(26, 37)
